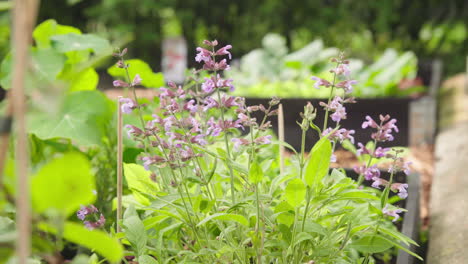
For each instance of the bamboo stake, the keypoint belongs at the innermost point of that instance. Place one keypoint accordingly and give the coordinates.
(119, 163)
(24, 17)
(281, 136)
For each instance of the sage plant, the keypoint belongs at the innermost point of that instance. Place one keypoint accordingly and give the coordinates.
(218, 195)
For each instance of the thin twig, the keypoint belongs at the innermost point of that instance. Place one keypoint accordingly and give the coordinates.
(119, 164)
(281, 137)
(24, 18)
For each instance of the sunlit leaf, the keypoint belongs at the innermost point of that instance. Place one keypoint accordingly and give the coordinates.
(57, 187)
(295, 192)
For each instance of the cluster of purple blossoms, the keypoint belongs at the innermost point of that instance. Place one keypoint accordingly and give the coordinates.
(183, 118)
(91, 212)
(383, 130)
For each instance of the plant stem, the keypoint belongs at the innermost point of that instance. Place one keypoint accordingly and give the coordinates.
(228, 151)
(325, 122)
(119, 165)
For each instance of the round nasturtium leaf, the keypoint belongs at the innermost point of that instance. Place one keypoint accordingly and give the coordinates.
(63, 185)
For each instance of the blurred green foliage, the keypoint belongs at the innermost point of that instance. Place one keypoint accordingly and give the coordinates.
(430, 28)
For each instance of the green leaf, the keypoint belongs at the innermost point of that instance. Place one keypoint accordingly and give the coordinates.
(149, 78)
(145, 259)
(96, 240)
(83, 117)
(295, 192)
(47, 63)
(139, 180)
(397, 235)
(401, 247)
(56, 186)
(319, 162)
(255, 173)
(135, 233)
(44, 31)
(303, 236)
(371, 244)
(357, 195)
(226, 217)
(74, 42)
(85, 80)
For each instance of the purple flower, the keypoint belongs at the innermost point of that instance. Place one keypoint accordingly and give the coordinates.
(203, 55)
(401, 188)
(340, 113)
(333, 158)
(384, 130)
(93, 225)
(368, 172)
(224, 51)
(239, 142)
(136, 80)
(127, 105)
(381, 152)
(362, 150)
(406, 168)
(393, 213)
(263, 140)
(342, 69)
(191, 106)
(133, 131)
(340, 134)
(210, 103)
(378, 182)
(225, 83)
(347, 85)
(119, 83)
(208, 85)
(320, 82)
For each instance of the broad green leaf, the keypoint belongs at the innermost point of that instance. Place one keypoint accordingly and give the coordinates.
(312, 227)
(44, 31)
(145, 259)
(303, 236)
(319, 162)
(371, 244)
(86, 80)
(149, 78)
(285, 213)
(255, 173)
(135, 233)
(57, 186)
(357, 195)
(83, 117)
(47, 63)
(96, 240)
(226, 217)
(295, 192)
(139, 179)
(74, 42)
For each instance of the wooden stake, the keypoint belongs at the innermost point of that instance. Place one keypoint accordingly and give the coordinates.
(24, 17)
(281, 136)
(119, 163)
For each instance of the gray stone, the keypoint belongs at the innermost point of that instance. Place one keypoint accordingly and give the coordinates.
(449, 199)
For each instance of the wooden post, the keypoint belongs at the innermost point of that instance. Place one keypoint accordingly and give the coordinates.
(281, 136)
(119, 163)
(24, 17)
